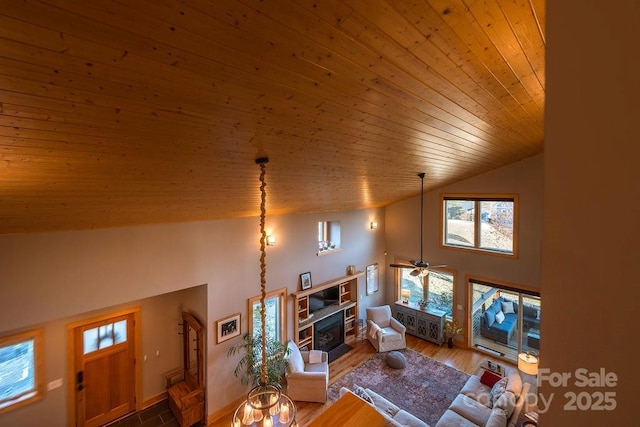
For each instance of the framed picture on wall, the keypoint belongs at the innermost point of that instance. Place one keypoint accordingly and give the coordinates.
(228, 328)
(305, 280)
(372, 279)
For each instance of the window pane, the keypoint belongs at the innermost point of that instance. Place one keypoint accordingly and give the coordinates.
(322, 237)
(531, 324)
(272, 318)
(328, 235)
(414, 284)
(90, 340)
(17, 369)
(441, 291)
(459, 225)
(106, 337)
(496, 225)
(120, 331)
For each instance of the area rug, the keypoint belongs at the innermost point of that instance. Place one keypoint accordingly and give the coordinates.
(424, 388)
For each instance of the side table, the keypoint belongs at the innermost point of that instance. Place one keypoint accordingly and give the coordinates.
(495, 368)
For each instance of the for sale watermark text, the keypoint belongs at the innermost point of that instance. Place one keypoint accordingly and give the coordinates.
(585, 400)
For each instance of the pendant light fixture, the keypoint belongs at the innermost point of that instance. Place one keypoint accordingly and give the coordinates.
(266, 405)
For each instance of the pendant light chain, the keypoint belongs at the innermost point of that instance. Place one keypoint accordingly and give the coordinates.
(263, 269)
(266, 405)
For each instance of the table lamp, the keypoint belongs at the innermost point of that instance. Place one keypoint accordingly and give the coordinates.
(405, 293)
(528, 363)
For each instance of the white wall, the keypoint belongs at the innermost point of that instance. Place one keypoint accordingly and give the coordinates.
(402, 224)
(49, 278)
(592, 207)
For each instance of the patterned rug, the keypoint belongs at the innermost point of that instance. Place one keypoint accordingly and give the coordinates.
(424, 388)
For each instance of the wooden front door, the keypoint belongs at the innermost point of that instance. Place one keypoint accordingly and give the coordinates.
(105, 370)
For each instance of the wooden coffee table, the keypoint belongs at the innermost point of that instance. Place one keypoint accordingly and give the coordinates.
(350, 411)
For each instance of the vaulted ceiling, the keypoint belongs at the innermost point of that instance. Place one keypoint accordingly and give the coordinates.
(119, 113)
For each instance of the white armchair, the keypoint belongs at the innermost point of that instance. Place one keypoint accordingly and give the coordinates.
(384, 332)
(307, 382)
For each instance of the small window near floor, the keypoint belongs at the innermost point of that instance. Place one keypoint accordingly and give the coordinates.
(20, 369)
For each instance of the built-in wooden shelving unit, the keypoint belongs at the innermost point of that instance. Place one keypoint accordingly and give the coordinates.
(304, 320)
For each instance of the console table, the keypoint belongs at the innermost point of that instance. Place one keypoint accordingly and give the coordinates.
(425, 323)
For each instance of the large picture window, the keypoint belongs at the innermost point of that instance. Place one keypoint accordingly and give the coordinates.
(487, 223)
(20, 369)
(436, 288)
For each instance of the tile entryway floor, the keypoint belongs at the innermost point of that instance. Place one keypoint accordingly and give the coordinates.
(154, 416)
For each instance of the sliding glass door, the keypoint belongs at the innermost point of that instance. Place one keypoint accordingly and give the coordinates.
(504, 321)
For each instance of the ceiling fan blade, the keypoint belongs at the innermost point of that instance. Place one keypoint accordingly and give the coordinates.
(401, 266)
(439, 265)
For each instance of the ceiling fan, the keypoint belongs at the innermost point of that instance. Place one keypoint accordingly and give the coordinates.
(419, 268)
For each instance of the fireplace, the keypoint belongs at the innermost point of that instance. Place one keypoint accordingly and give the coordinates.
(329, 333)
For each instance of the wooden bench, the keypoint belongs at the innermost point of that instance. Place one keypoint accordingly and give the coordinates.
(185, 400)
(185, 387)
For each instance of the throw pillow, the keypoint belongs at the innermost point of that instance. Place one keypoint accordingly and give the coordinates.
(362, 393)
(490, 317)
(490, 378)
(507, 307)
(500, 317)
(497, 390)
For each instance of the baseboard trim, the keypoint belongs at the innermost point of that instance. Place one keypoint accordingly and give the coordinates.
(221, 413)
(154, 399)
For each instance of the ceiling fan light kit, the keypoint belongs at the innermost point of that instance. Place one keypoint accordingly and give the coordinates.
(419, 268)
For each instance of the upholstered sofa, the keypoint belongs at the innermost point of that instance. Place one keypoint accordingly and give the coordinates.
(480, 405)
(501, 331)
(393, 415)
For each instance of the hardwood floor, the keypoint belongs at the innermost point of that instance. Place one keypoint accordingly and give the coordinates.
(459, 358)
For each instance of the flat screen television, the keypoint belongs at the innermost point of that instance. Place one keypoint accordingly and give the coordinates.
(323, 298)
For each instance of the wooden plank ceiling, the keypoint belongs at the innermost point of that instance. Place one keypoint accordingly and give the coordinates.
(118, 113)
